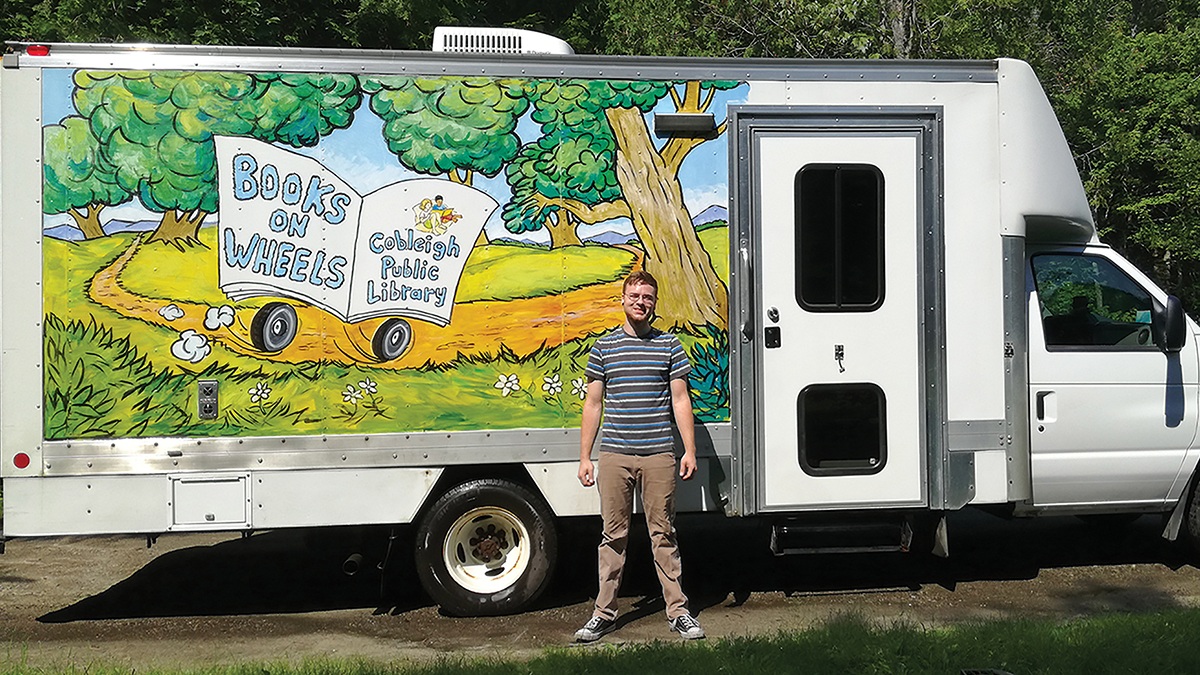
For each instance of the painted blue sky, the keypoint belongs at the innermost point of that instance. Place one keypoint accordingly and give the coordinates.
(359, 155)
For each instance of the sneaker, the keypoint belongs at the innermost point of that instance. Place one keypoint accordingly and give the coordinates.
(596, 628)
(687, 626)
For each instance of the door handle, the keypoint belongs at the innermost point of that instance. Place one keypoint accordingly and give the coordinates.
(1045, 406)
(747, 321)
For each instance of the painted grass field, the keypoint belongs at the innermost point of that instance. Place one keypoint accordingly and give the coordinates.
(109, 374)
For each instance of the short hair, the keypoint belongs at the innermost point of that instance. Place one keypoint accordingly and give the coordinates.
(640, 277)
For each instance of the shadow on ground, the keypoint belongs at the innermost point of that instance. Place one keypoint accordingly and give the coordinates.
(724, 560)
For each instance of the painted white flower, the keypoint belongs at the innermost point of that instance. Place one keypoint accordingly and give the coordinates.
(352, 395)
(368, 386)
(260, 392)
(552, 385)
(579, 388)
(508, 384)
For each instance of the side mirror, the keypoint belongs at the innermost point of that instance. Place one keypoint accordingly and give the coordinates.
(1169, 325)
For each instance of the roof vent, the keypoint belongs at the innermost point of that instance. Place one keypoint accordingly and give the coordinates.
(496, 41)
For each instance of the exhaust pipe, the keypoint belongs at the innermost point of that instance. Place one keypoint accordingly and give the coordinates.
(352, 564)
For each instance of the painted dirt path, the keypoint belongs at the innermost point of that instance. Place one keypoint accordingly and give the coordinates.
(478, 328)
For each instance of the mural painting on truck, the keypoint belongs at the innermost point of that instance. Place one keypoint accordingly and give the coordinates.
(376, 253)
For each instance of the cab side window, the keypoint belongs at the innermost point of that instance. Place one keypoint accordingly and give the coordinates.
(1087, 302)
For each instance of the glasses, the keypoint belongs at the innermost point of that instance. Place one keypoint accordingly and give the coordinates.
(647, 297)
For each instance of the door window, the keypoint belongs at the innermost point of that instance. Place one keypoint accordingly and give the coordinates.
(843, 429)
(839, 237)
(1086, 302)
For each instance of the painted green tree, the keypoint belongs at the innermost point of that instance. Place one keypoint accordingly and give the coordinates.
(565, 163)
(651, 195)
(157, 128)
(76, 179)
(449, 126)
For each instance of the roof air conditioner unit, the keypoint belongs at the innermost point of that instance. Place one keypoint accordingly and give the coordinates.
(496, 41)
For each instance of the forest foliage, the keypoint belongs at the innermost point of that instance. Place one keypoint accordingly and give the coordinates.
(1122, 74)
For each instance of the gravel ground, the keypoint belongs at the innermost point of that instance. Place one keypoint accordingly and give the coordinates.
(207, 599)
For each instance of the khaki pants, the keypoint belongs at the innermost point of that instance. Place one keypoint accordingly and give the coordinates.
(616, 478)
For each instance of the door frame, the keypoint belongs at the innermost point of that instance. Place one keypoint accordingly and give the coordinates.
(948, 478)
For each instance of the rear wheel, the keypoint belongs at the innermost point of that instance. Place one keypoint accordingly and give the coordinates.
(391, 339)
(486, 547)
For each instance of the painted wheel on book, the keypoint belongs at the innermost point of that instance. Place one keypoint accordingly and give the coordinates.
(486, 547)
(392, 339)
(274, 327)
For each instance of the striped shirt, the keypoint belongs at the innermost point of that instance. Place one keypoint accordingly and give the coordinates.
(637, 374)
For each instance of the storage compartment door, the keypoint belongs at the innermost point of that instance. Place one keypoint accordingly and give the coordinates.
(210, 502)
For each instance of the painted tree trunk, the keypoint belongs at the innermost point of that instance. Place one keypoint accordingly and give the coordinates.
(690, 293)
(561, 226)
(88, 221)
(179, 229)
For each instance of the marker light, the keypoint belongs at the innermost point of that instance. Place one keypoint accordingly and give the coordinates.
(37, 50)
(21, 460)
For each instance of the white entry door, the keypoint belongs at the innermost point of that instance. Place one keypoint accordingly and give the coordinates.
(838, 319)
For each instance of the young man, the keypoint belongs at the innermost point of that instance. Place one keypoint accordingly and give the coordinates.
(637, 376)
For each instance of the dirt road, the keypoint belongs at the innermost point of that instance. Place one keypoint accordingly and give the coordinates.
(195, 600)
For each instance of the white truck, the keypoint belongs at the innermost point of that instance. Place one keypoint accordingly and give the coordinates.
(258, 288)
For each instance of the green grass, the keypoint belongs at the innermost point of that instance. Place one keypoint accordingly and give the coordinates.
(1116, 643)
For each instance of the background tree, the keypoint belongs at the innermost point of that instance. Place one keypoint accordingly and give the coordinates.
(371, 24)
(76, 179)
(157, 128)
(749, 28)
(1135, 132)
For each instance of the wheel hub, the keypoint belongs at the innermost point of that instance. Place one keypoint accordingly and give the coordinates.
(487, 550)
(489, 544)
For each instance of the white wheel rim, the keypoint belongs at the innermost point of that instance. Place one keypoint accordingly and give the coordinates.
(486, 550)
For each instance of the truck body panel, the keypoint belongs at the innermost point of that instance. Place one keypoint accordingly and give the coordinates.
(261, 288)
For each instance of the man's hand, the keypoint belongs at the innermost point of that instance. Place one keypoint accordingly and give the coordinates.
(587, 473)
(687, 465)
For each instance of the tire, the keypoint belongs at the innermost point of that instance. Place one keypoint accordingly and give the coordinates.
(274, 327)
(1191, 521)
(391, 339)
(486, 547)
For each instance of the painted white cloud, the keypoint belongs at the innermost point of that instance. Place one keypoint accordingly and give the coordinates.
(217, 317)
(703, 196)
(191, 347)
(171, 312)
